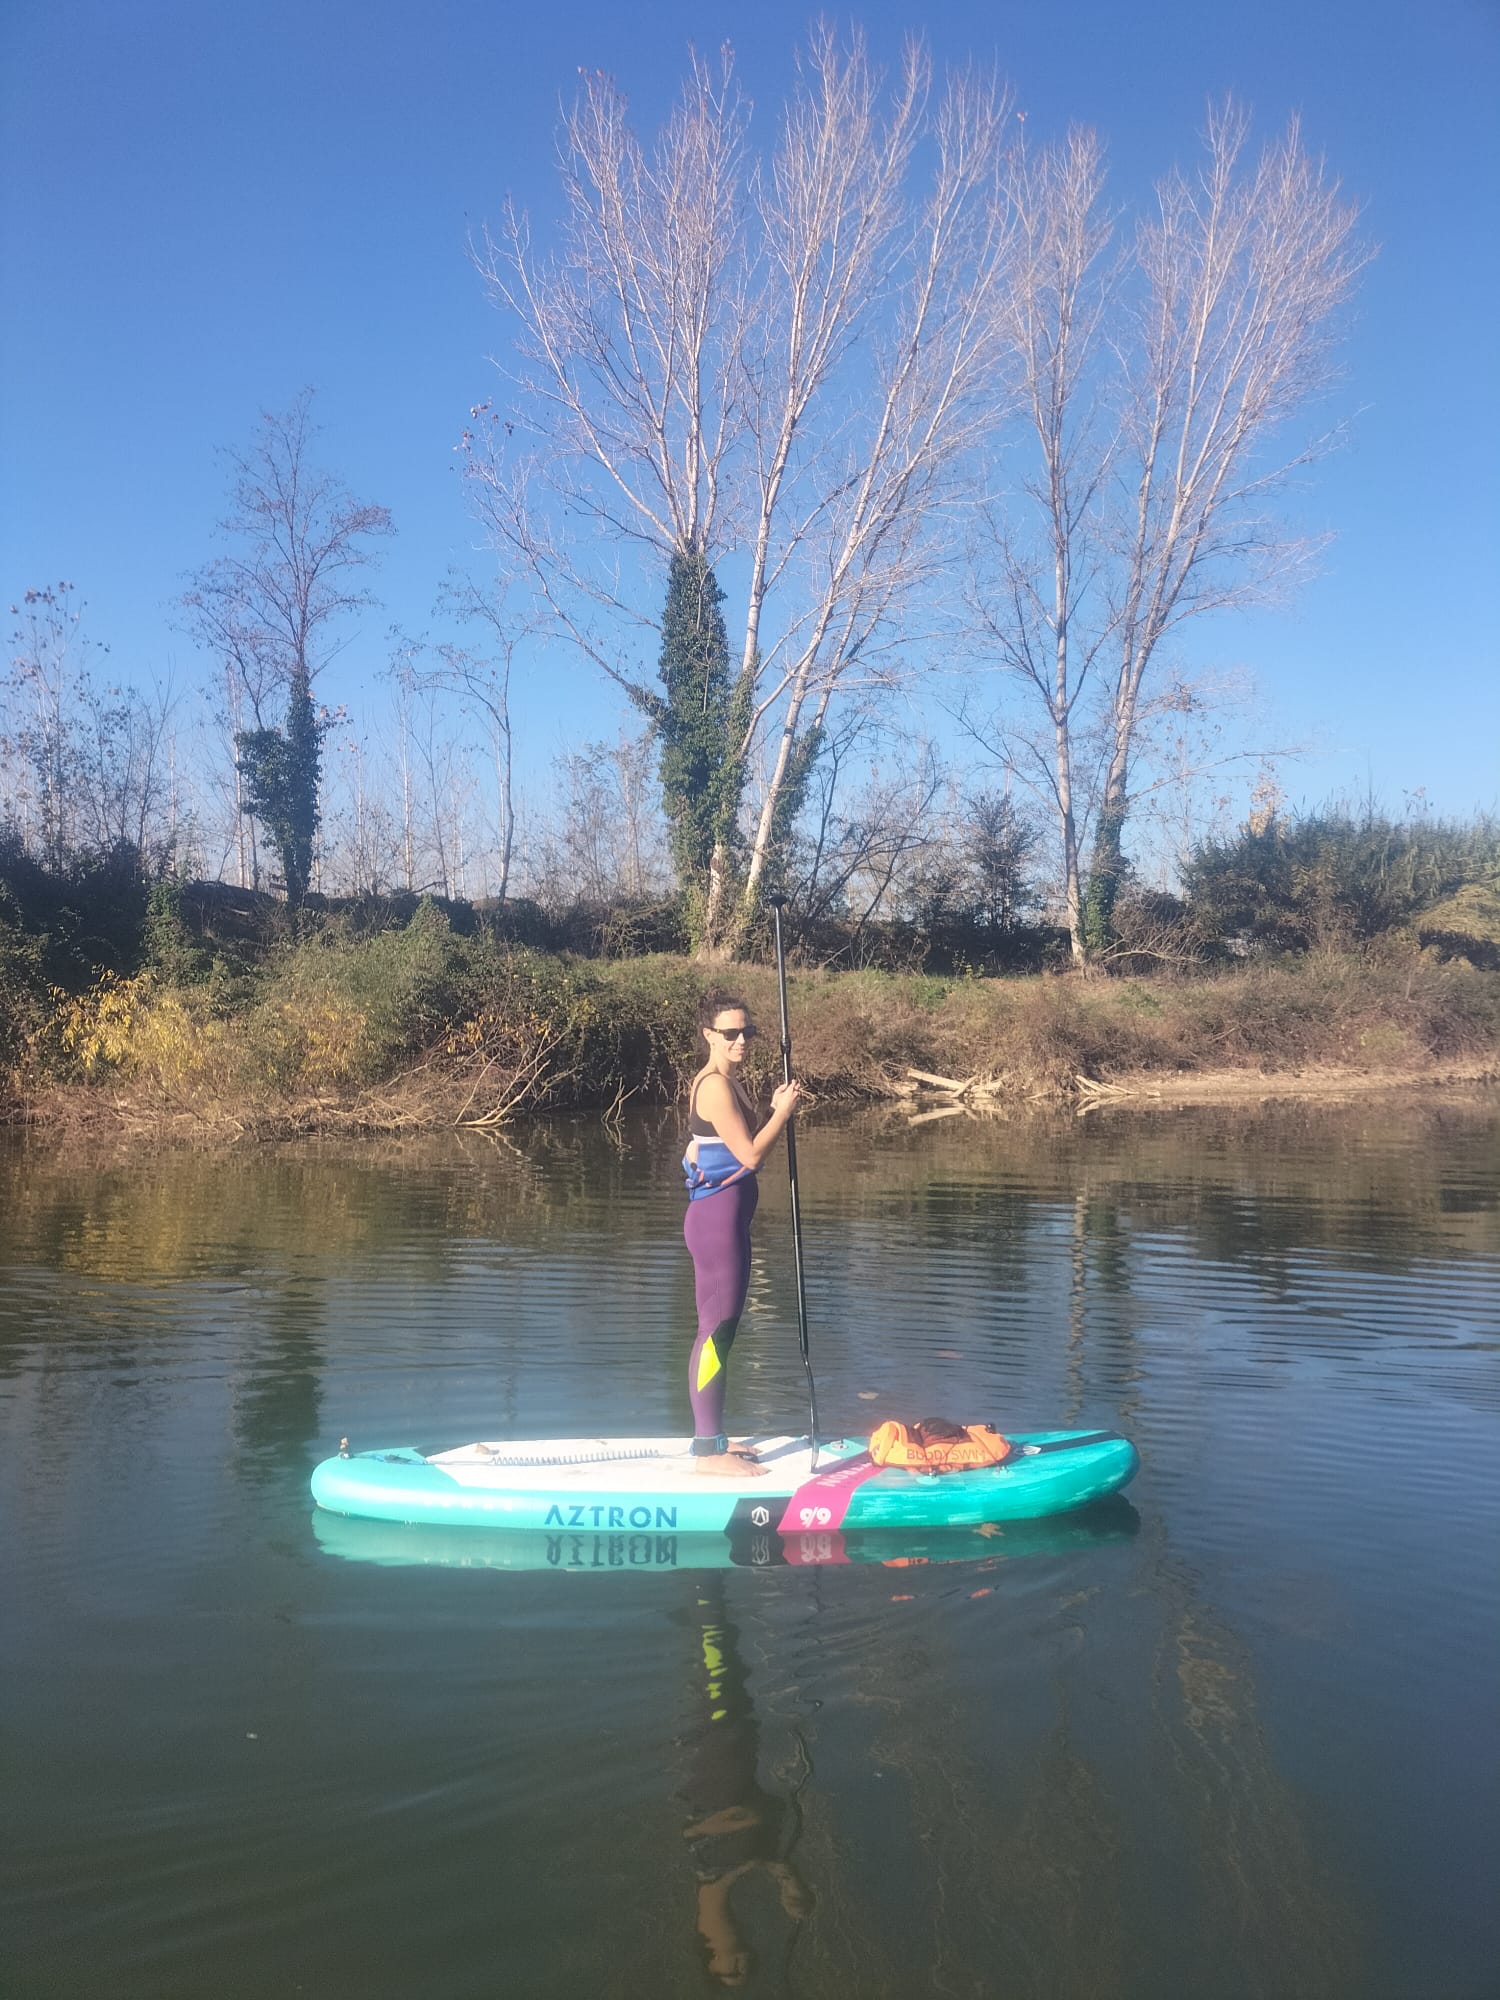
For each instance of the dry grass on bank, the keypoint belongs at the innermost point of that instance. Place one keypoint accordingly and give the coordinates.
(860, 1033)
(420, 1029)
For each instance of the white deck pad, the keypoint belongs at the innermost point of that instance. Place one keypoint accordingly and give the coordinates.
(633, 1465)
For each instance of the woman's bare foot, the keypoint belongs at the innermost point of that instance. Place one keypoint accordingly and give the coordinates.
(728, 1465)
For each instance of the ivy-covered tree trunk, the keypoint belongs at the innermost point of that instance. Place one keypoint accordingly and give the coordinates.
(701, 718)
(281, 769)
(1105, 873)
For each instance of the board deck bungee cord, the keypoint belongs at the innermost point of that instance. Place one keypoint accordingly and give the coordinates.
(649, 1485)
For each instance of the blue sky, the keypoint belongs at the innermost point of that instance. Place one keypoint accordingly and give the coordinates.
(203, 209)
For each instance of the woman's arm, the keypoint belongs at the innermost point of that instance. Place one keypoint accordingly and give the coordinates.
(718, 1103)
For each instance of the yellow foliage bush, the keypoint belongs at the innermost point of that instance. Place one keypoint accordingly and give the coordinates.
(310, 1038)
(138, 1028)
(96, 1028)
(176, 1045)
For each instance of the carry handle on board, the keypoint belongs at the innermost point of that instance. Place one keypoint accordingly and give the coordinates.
(778, 904)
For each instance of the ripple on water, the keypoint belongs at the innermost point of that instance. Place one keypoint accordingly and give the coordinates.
(1158, 1756)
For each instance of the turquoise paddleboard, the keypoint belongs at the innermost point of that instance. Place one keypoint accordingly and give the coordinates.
(649, 1486)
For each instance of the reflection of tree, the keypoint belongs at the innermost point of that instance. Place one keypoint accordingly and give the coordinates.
(737, 1829)
(1260, 1912)
(1101, 1357)
(991, 1854)
(275, 1397)
(1395, 1181)
(1013, 1809)
(185, 1215)
(1006, 1824)
(1254, 1187)
(1077, 1304)
(1249, 1183)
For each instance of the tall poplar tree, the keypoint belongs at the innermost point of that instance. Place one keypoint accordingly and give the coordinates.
(793, 356)
(1168, 389)
(701, 721)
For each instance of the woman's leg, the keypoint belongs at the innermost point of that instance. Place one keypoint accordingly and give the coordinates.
(717, 1231)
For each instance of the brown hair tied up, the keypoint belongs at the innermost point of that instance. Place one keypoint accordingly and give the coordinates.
(719, 1003)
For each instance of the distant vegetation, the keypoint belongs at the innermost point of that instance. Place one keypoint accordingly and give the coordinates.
(1336, 879)
(1338, 939)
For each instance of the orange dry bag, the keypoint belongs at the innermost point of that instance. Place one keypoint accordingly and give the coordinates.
(932, 1444)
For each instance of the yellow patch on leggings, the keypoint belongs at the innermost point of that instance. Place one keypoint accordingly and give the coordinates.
(709, 1363)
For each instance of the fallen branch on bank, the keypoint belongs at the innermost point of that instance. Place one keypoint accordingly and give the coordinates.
(1091, 1086)
(949, 1083)
(978, 1085)
(518, 1086)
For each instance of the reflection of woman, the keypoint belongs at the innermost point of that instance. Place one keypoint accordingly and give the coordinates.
(723, 1157)
(735, 1827)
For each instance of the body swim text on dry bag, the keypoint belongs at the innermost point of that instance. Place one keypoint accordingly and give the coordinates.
(933, 1444)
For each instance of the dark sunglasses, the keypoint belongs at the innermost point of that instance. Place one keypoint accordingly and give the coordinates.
(736, 1034)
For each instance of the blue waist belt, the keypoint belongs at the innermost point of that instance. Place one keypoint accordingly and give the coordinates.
(714, 1168)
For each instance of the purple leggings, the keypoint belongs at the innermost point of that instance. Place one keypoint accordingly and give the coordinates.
(717, 1232)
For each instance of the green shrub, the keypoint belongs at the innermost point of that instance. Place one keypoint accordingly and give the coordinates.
(1464, 925)
(23, 995)
(88, 915)
(172, 950)
(1335, 878)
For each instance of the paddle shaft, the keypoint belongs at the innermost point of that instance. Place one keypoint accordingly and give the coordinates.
(778, 903)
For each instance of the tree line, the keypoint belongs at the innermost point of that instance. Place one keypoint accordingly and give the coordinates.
(891, 411)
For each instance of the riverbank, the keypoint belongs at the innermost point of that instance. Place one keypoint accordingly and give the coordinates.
(422, 1029)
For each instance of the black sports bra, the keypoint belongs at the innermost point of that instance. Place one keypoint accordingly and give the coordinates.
(700, 1128)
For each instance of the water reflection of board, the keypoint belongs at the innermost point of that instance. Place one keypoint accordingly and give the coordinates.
(401, 1545)
(649, 1486)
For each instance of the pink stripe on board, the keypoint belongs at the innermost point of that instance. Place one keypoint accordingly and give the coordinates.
(821, 1502)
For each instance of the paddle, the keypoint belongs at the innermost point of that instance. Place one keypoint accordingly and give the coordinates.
(778, 904)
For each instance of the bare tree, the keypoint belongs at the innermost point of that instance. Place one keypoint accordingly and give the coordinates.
(788, 360)
(267, 609)
(404, 761)
(437, 764)
(920, 278)
(864, 860)
(641, 850)
(604, 841)
(46, 666)
(434, 833)
(1245, 269)
(480, 677)
(360, 828)
(122, 764)
(1156, 388)
(84, 752)
(1049, 560)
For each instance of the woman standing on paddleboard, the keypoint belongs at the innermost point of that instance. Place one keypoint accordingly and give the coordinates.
(723, 1156)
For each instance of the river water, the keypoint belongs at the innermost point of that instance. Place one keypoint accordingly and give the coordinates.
(1236, 1737)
